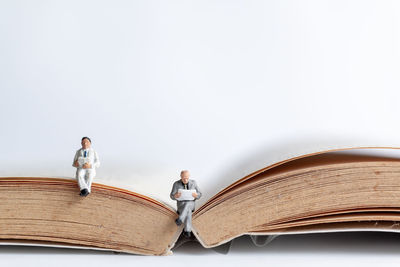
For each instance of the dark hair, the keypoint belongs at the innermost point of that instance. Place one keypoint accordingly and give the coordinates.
(85, 137)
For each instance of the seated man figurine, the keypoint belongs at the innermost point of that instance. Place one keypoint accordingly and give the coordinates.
(85, 161)
(185, 191)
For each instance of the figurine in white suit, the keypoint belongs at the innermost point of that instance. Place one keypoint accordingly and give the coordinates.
(86, 161)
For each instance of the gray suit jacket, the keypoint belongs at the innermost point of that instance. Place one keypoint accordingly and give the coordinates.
(179, 185)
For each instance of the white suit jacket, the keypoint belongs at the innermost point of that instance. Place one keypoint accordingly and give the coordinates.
(92, 156)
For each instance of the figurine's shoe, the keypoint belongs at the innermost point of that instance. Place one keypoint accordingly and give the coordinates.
(187, 234)
(178, 222)
(84, 193)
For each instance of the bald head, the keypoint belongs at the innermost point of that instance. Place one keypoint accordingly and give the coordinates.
(185, 176)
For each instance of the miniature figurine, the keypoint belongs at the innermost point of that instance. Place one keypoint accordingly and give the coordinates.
(185, 191)
(85, 161)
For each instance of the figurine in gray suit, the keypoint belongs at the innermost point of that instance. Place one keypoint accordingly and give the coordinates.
(185, 207)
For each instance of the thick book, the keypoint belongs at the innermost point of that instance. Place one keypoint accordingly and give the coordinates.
(324, 191)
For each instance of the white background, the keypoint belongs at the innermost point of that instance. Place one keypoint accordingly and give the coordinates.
(221, 88)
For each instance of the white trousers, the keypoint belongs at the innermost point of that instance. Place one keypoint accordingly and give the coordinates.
(85, 178)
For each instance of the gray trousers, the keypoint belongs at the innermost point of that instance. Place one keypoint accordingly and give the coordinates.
(185, 215)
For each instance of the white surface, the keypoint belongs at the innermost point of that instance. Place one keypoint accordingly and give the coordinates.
(217, 87)
(334, 249)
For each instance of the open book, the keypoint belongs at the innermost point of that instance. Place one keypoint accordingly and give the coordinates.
(323, 191)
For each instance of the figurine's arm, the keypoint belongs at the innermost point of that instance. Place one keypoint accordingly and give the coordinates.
(173, 191)
(197, 190)
(96, 162)
(74, 163)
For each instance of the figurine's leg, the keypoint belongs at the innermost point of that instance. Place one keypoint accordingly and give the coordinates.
(80, 176)
(188, 222)
(183, 213)
(89, 178)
